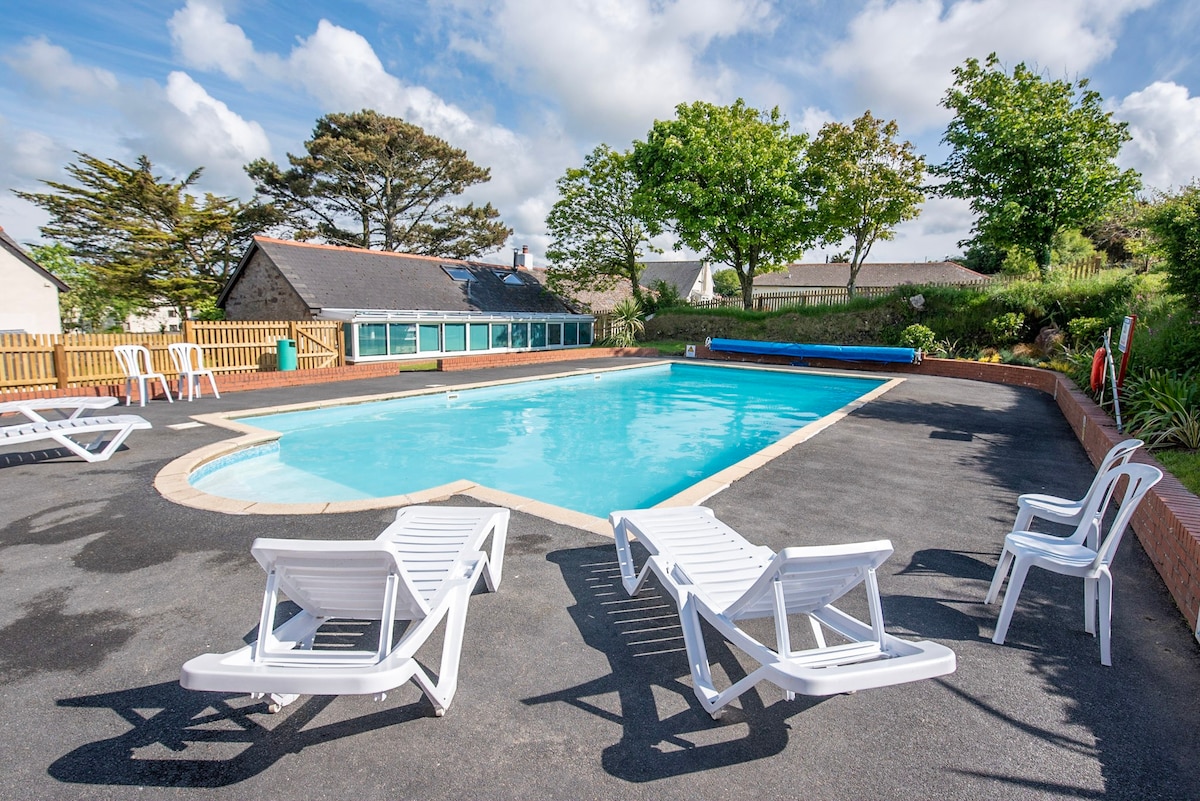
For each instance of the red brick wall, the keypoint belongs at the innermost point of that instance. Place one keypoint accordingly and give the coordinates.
(453, 363)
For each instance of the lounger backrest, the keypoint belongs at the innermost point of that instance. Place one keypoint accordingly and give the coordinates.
(810, 578)
(340, 579)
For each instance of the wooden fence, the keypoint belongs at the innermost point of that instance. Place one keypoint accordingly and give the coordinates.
(60, 361)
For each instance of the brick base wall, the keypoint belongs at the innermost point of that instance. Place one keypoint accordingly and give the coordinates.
(1168, 521)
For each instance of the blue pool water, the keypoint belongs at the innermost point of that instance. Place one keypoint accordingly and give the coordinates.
(593, 443)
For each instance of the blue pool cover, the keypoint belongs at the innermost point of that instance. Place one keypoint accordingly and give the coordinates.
(846, 353)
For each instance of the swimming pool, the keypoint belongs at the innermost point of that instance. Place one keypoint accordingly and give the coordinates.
(591, 443)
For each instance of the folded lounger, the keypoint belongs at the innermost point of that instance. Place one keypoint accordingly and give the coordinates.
(67, 407)
(420, 570)
(115, 427)
(713, 572)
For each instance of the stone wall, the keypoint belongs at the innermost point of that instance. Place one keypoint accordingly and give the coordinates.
(262, 293)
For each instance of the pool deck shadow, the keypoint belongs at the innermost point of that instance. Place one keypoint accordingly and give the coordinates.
(568, 688)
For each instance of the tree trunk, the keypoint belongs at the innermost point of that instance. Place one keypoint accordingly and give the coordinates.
(1043, 260)
(747, 281)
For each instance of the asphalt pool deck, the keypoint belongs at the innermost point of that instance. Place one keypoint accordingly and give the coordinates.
(567, 688)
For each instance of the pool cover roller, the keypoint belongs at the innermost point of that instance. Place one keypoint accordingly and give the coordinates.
(845, 353)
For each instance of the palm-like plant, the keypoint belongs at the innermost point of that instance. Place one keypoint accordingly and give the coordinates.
(627, 322)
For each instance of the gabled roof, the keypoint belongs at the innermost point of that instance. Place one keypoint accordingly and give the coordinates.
(872, 274)
(335, 277)
(680, 274)
(7, 243)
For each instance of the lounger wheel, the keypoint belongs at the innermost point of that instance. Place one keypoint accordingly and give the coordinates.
(277, 700)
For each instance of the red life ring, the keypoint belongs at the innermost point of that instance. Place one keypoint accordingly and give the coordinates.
(1098, 368)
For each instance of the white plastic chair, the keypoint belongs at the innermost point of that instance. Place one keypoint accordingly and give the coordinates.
(135, 361)
(189, 363)
(711, 571)
(1065, 510)
(415, 572)
(1074, 555)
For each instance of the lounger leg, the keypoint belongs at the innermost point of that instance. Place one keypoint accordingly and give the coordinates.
(1006, 557)
(442, 692)
(1020, 568)
(493, 570)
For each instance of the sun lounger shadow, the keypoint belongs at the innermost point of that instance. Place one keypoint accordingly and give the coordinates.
(643, 643)
(180, 738)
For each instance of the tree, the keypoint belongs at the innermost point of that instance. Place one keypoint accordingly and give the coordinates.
(730, 182)
(870, 184)
(599, 234)
(146, 239)
(88, 305)
(1031, 155)
(726, 284)
(1173, 222)
(373, 181)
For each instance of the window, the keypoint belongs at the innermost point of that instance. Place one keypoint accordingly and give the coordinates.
(478, 336)
(458, 273)
(537, 338)
(554, 334)
(499, 335)
(520, 335)
(454, 337)
(402, 338)
(372, 339)
(571, 334)
(429, 338)
(585, 333)
(509, 277)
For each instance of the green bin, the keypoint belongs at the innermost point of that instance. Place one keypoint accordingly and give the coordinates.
(287, 354)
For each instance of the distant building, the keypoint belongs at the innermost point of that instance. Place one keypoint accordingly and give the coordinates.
(800, 277)
(161, 319)
(398, 306)
(29, 302)
(693, 280)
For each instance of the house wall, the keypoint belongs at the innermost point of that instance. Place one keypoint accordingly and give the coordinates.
(262, 293)
(29, 301)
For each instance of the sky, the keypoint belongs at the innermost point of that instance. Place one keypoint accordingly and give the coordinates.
(529, 87)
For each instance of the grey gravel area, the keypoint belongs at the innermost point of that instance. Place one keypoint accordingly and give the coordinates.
(567, 688)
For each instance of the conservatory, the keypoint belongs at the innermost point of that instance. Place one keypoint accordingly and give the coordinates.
(373, 336)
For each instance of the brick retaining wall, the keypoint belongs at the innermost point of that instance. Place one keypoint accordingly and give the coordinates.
(482, 361)
(1167, 523)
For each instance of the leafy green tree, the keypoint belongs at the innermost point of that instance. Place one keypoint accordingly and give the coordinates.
(146, 239)
(1033, 156)
(599, 235)
(730, 182)
(88, 306)
(372, 181)
(1173, 221)
(870, 183)
(726, 284)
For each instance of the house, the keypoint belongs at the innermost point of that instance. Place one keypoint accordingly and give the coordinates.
(397, 306)
(693, 280)
(160, 319)
(29, 302)
(802, 277)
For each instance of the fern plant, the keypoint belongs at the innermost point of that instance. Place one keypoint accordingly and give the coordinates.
(1164, 409)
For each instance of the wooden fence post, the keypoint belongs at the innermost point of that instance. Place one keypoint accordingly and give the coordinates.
(60, 366)
(189, 331)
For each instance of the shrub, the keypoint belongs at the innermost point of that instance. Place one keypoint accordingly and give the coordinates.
(918, 337)
(1086, 331)
(1006, 329)
(1163, 408)
(627, 323)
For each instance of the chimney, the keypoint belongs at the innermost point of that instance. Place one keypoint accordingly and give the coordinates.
(522, 259)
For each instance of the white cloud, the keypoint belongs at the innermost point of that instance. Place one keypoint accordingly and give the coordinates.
(1164, 122)
(898, 56)
(51, 69)
(205, 40)
(611, 66)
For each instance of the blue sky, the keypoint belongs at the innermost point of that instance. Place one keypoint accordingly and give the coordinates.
(528, 87)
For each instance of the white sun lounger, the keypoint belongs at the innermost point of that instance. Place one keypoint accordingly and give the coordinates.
(421, 570)
(116, 428)
(67, 407)
(712, 572)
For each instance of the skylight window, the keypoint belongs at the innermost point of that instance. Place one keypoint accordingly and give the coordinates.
(510, 278)
(458, 273)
